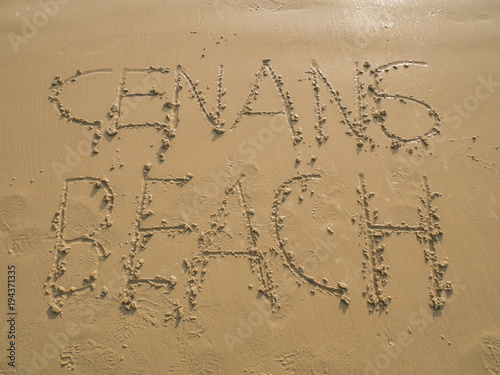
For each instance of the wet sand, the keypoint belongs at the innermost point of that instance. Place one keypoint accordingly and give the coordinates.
(246, 187)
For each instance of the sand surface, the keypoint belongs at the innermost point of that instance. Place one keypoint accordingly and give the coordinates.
(250, 187)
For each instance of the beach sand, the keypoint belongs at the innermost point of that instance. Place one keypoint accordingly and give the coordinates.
(250, 187)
